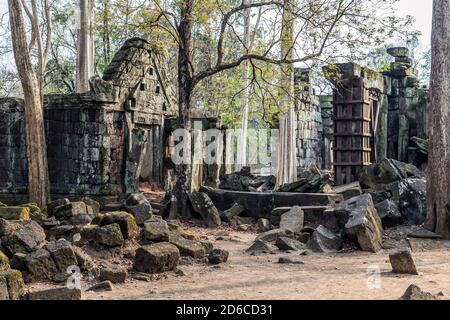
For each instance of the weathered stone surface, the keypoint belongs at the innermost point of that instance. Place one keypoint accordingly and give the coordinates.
(157, 258)
(288, 244)
(55, 294)
(114, 274)
(94, 205)
(231, 213)
(348, 190)
(35, 212)
(260, 247)
(14, 213)
(23, 237)
(205, 207)
(102, 286)
(55, 204)
(273, 235)
(324, 241)
(304, 237)
(389, 214)
(156, 229)
(138, 205)
(218, 256)
(263, 225)
(402, 262)
(40, 266)
(413, 202)
(85, 262)
(364, 224)
(209, 247)
(415, 293)
(292, 221)
(189, 248)
(4, 262)
(387, 171)
(71, 209)
(11, 285)
(62, 254)
(126, 222)
(110, 235)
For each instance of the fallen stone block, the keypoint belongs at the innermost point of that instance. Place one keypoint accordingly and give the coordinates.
(218, 256)
(138, 205)
(389, 214)
(273, 235)
(324, 241)
(71, 209)
(292, 221)
(109, 236)
(288, 244)
(157, 258)
(115, 274)
(387, 171)
(205, 207)
(263, 225)
(55, 294)
(231, 213)
(415, 293)
(102, 286)
(126, 222)
(4, 262)
(260, 247)
(62, 253)
(189, 248)
(14, 213)
(413, 200)
(364, 224)
(22, 237)
(402, 262)
(40, 267)
(348, 191)
(156, 229)
(12, 286)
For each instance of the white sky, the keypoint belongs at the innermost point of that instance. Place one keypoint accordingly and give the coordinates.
(421, 10)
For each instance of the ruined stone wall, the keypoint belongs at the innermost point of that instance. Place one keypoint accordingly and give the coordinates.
(96, 141)
(85, 147)
(309, 122)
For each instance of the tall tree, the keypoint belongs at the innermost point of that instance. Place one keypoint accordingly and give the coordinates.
(287, 163)
(323, 25)
(38, 185)
(438, 192)
(85, 59)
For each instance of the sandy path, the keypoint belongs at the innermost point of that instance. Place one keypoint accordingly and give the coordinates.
(336, 276)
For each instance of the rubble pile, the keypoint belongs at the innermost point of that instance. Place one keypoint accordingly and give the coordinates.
(388, 195)
(105, 247)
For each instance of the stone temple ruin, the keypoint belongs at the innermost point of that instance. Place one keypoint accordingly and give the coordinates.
(359, 152)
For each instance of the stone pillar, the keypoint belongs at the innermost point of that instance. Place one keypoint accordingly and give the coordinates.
(309, 121)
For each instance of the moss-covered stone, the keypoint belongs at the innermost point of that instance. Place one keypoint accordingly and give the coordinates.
(15, 213)
(125, 220)
(35, 212)
(11, 285)
(4, 262)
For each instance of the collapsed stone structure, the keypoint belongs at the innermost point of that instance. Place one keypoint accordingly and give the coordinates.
(370, 117)
(102, 142)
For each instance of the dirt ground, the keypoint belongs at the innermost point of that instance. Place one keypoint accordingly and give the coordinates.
(334, 276)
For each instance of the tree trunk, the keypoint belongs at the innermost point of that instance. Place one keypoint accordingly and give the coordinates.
(287, 164)
(85, 59)
(106, 36)
(34, 115)
(185, 88)
(242, 145)
(438, 192)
